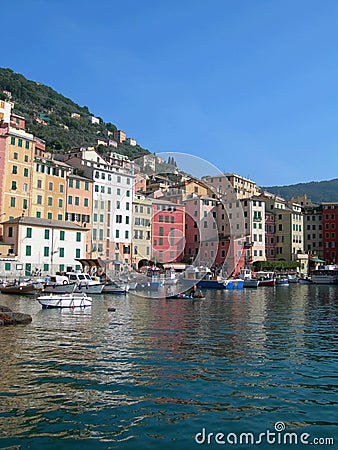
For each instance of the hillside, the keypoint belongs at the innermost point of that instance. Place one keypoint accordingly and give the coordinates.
(35, 101)
(317, 191)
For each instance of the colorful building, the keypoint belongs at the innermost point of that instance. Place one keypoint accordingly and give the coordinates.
(141, 240)
(330, 228)
(45, 246)
(168, 230)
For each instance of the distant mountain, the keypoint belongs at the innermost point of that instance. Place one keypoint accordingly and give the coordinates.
(317, 191)
(63, 123)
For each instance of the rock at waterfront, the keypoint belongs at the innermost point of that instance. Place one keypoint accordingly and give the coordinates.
(8, 317)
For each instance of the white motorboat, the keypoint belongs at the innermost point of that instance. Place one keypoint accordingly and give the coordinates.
(65, 301)
(85, 283)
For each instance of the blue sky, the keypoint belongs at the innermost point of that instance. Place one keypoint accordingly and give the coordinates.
(250, 86)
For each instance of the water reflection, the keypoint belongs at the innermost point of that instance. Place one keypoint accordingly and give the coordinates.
(250, 357)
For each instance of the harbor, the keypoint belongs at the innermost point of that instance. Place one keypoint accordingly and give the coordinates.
(133, 371)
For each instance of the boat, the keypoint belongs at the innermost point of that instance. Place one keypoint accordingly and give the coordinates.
(325, 275)
(184, 296)
(305, 280)
(251, 283)
(65, 301)
(85, 283)
(266, 278)
(21, 288)
(248, 280)
(282, 281)
(115, 288)
(59, 288)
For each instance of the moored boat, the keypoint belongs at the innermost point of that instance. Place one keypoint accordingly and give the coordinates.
(250, 283)
(64, 301)
(59, 288)
(325, 275)
(21, 288)
(115, 288)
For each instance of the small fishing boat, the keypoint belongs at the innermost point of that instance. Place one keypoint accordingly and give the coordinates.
(250, 283)
(115, 288)
(282, 281)
(21, 288)
(184, 296)
(64, 301)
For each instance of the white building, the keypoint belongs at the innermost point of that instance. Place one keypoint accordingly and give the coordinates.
(5, 111)
(45, 245)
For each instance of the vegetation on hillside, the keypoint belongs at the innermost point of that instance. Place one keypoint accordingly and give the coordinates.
(35, 101)
(321, 191)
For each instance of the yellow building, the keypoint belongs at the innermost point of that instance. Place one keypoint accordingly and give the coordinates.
(16, 156)
(49, 186)
(142, 217)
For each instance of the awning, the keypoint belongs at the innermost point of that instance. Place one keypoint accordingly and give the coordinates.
(317, 260)
(96, 262)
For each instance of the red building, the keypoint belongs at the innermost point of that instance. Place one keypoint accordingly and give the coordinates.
(168, 227)
(330, 227)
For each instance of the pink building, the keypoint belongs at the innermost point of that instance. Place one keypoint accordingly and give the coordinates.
(168, 226)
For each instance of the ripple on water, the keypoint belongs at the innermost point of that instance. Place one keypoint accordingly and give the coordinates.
(155, 372)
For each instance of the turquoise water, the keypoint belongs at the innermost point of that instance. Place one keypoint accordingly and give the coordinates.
(154, 373)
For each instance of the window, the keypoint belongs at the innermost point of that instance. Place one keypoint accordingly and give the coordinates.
(70, 199)
(61, 252)
(28, 250)
(85, 202)
(15, 169)
(25, 187)
(7, 266)
(160, 218)
(49, 216)
(25, 172)
(50, 186)
(19, 142)
(126, 234)
(117, 234)
(86, 186)
(12, 202)
(46, 251)
(14, 186)
(10, 231)
(28, 233)
(38, 215)
(77, 184)
(161, 231)
(60, 203)
(62, 235)
(39, 200)
(78, 236)
(77, 253)
(46, 234)
(50, 201)
(77, 201)
(12, 140)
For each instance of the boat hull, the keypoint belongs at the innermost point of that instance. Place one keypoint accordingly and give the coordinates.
(20, 290)
(269, 282)
(60, 288)
(251, 283)
(89, 289)
(223, 284)
(64, 301)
